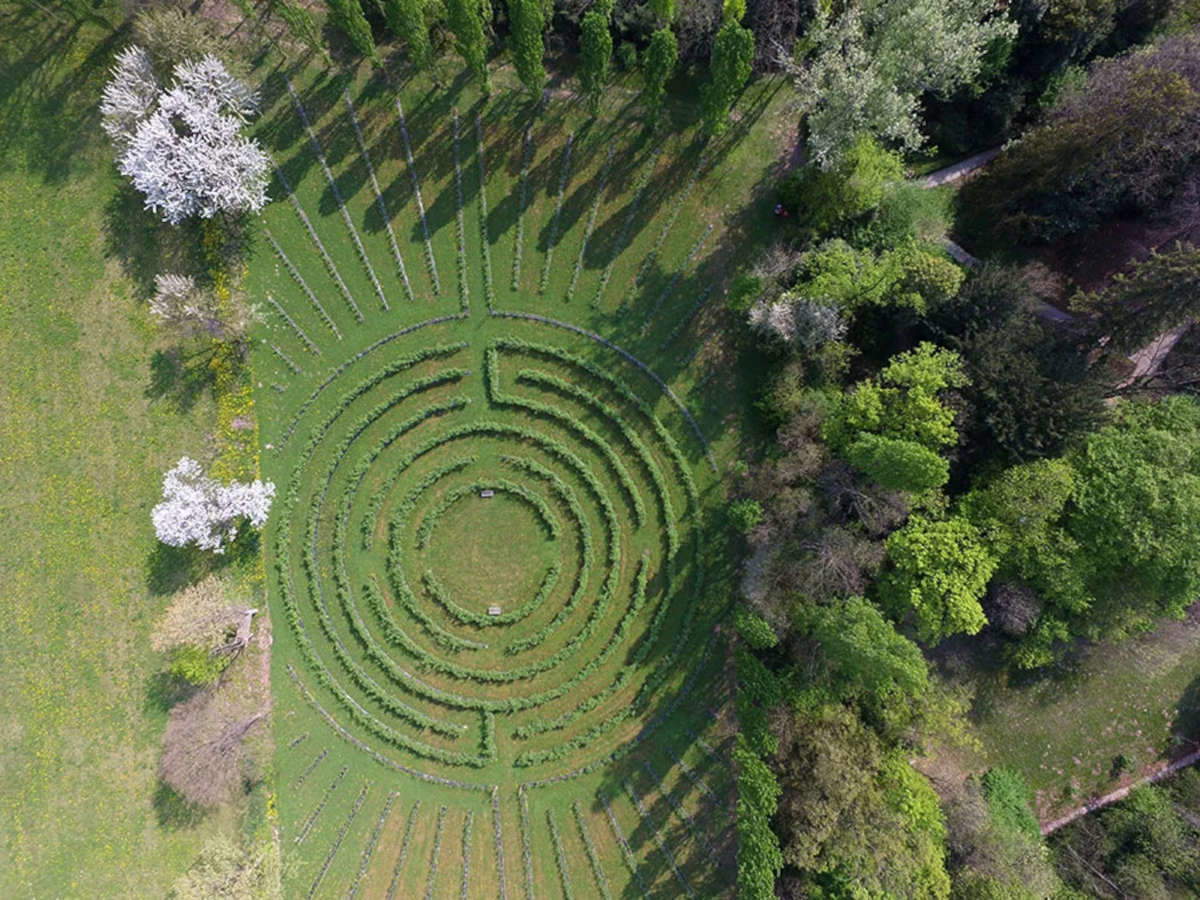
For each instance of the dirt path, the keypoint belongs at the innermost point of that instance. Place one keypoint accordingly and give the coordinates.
(1120, 793)
(960, 169)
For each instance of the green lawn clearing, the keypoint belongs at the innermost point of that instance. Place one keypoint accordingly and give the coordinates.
(491, 393)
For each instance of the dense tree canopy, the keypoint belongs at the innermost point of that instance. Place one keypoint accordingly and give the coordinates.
(869, 62)
(940, 570)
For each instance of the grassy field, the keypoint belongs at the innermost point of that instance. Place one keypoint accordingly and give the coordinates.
(86, 429)
(462, 297)
(1139, 698)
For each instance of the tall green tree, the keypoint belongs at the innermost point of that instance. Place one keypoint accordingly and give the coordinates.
(348, 16)
(902, 402)
(940, 570)
(528, 21)
(595, 56)
(871, 61)
(1161, 293)
(732, 57)
(898, 465)
(665, 10)
(466, 18)
(406, 20)
(659, 65)
(1136, 514)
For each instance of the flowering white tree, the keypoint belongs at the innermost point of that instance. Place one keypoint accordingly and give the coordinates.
(183, 147)
(798, 321)
(199, 510)
(129, 96)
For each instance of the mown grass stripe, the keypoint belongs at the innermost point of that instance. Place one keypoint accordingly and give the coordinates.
(379, 201)
(337, 841)
(405, 841)
(372, 842)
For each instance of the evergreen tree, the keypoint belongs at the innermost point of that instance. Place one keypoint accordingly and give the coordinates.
(732, 56)
(596, 47)
(406, 20)
(528, 22)
(661, 57)
(348, 16)
(465, 19)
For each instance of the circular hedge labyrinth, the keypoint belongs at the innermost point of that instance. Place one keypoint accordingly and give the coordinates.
(400, 616)
(497, 663)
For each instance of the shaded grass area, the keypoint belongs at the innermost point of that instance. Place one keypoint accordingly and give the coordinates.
(1065, 729)
(92, 416)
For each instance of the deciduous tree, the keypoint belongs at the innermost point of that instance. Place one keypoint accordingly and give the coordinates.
(871, 60)
(659, 65)
(406, 20)
(732, 57)
(199, 510)
(348, 16)
(466, 18)
(528, 22)
(940, 570)
(205, 758)
(595, 49)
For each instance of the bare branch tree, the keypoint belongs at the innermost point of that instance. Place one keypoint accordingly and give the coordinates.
(205, 758)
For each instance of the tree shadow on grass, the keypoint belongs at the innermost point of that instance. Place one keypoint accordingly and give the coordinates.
(173, 811)
(163, 691)
(178, 379)
(1185, 733)
(49, 92)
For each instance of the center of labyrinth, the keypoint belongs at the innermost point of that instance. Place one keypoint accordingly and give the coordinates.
(496, 552)
(490, 557)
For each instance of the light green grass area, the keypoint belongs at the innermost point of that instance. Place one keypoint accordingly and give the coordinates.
(463, 297)
(1136, 698)
(85, 434)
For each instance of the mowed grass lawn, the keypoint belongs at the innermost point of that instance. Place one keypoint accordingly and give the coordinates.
(83, 444)
(1140, 698)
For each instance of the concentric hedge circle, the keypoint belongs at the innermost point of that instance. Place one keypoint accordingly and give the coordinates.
(401, 621)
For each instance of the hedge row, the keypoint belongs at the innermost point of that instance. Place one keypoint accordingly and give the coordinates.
(435, 852)
(598, 877)
(491, 375)
(379, 202)
(546, 380)
(441, 595)
(539, 506)
(430, 263)
(464, 887)
(489, 290)
(338, 199)
(661, 237)
(560, 859)
(377, 499)
(669, 288)
(498, 843)
(563, 174)
(405, 843)
(526, 147)
(372, 843)
(322, 252)
(337, 841)
(308, 770)
(526, 848)
(311, 820)
(460, 227)
(666, 854)
(597, 199)
(625, 393)
(312, 298)
(639, 193)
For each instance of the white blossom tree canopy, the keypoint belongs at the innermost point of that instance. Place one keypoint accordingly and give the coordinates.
(798, 321)
(129, 96)
(871, 60)
(197, 509)
(183, 147)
